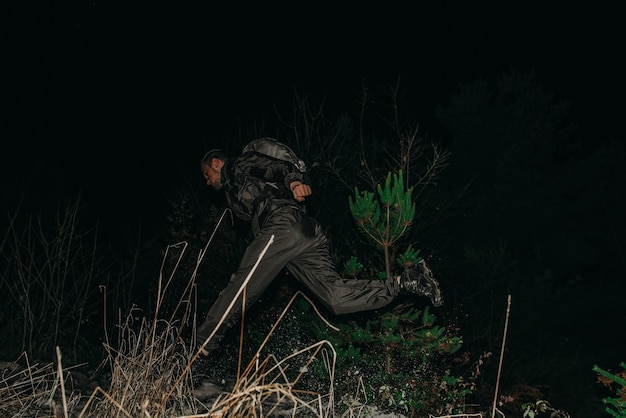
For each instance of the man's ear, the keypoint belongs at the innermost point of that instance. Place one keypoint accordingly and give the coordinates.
(216, 163)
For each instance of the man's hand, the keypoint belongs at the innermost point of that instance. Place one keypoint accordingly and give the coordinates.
(300, 190)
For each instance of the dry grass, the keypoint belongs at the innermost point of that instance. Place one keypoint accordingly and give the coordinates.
(151, 376)
(269, 385)
(29, 390)
(265, 388)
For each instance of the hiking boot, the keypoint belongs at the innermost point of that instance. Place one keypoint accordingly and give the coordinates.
(419, 280)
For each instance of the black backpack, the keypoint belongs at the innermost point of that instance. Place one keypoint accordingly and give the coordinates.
(272, 148)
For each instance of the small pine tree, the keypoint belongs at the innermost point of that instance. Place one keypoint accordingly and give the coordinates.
(385, 219)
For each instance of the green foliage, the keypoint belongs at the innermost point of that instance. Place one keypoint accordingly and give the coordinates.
(616, 405)
(409, 258)
(404, 360)
(532, 410)
(385, 217)
(352, 267)
(401, 355)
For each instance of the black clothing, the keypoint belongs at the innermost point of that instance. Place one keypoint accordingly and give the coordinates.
(255, 185)
(257, 190)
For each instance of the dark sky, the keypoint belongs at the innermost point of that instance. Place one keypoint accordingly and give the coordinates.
(118, 99)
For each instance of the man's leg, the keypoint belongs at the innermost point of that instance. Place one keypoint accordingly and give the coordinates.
(314, 268)
(286, 245)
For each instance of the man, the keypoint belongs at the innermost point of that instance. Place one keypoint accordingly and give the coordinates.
(267, 192)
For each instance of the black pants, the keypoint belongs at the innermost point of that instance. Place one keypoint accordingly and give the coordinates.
(301, 246)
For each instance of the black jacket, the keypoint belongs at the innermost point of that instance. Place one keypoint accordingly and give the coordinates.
(255, 185)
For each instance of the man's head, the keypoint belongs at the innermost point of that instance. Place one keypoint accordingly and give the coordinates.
(211, 166)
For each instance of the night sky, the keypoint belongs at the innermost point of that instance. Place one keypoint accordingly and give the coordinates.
(117, 100)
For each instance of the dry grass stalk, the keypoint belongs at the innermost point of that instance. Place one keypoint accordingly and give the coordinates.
(355, 406)
(22, 388)
(52, 263)
(150, 355)
(144, 367)
(61, 381)
(150, 377)
(265, 387)
(33, 388)
(504, 334)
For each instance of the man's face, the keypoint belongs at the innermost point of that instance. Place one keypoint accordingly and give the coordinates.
(212, 173)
